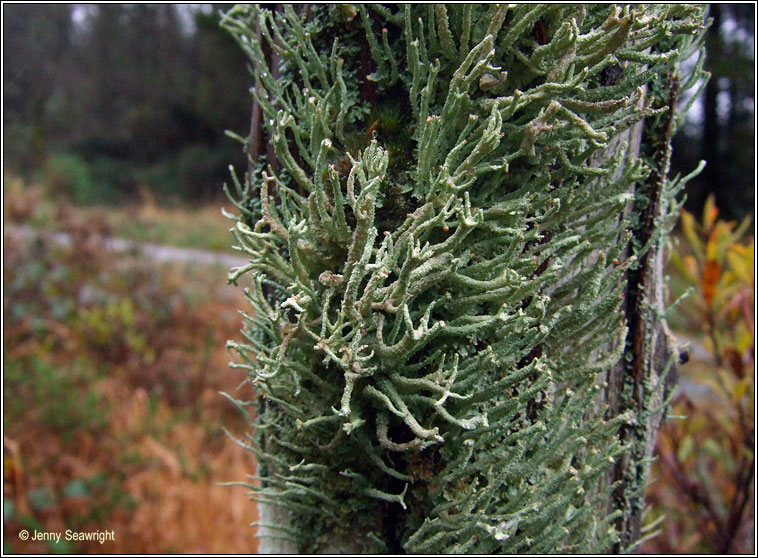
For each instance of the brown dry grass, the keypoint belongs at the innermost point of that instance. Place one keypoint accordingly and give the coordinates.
(173, 510)
(160, 453)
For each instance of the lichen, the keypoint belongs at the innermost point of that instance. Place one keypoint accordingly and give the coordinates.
(439, 263)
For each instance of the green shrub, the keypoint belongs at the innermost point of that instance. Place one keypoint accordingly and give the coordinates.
(69, 175)
(116, 179)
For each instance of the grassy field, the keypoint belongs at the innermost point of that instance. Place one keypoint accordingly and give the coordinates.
(143, 221)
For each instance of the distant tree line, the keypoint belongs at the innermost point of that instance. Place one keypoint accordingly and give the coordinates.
(138, 95)
(130, 95)
(723, 132)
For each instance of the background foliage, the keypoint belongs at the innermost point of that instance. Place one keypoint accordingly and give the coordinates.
(112, 419)
(706, 460)
(122, 96)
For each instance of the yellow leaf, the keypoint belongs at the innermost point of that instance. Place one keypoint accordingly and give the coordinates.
(688, 227)
(711, 252)
(723, 238)
(738, 266)
(710, 212)
(687, 267)
(739, 389)
(741, 261)
(744, 340)
(685, 449)
(728, 280)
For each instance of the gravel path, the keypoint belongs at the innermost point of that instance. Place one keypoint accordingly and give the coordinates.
(158, 252)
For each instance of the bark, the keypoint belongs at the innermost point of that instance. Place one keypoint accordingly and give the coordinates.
(651, 369)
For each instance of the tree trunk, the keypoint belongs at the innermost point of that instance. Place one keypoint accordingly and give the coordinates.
(653, 352)
(462, 347)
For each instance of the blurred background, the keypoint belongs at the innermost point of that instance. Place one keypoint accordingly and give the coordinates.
(116, 310)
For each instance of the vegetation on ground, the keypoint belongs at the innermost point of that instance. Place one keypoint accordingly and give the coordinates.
(42, 206)
(112, 418)
(705, 454)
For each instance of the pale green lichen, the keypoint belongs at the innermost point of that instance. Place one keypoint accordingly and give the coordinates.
(437, 272)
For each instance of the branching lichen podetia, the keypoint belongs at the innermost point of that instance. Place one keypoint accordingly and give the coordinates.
(438, 272)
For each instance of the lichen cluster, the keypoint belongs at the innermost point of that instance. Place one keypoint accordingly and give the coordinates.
(438, 267)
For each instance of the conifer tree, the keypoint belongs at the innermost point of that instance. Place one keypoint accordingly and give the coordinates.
(456, 330)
